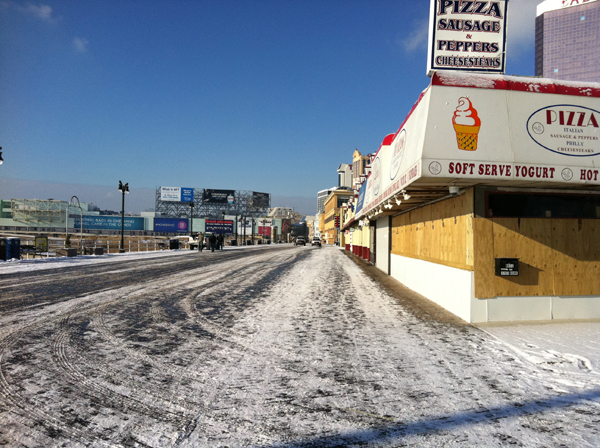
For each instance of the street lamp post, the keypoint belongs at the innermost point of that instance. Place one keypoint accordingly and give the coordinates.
(191, 220)
(124, 189)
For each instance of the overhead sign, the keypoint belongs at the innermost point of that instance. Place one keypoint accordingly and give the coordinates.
(219, 226)
(171, 225)
(109, 223)
(176, 194)
(218, 196)
(467, 36)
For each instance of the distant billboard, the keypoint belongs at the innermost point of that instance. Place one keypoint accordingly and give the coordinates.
(218, 196)
(171, 225)
(109, 223)
(219, 226)
(467, 36)
(260, 199)
(176, 194)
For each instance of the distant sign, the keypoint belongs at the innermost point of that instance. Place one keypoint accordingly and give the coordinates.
(260, 199)
(217, 196)
(264, 226)
(219, 226)
(41, 243)
(176, 194)
(109, 223)
(171, 225)
(467, 36)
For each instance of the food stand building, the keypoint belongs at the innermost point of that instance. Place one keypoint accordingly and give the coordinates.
(487, 199)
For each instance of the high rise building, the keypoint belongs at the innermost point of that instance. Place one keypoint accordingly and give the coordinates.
(345, 175)
(567, 33)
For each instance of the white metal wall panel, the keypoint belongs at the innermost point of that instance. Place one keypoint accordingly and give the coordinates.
(382, 244)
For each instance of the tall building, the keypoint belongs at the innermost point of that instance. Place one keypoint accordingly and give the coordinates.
(321, 198)
(360, 166)
(345, 175)
(567, 33)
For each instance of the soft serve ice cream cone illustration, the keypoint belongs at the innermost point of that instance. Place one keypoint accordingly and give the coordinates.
(466, 124)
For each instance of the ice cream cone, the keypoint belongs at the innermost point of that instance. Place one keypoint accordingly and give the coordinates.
(466, 136)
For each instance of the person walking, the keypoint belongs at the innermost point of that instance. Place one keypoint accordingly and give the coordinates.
(200, 241)
(212, 239)
(220, 241)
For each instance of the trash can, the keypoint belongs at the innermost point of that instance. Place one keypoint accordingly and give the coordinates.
(173, 244)
(3, 249)
(13, 248)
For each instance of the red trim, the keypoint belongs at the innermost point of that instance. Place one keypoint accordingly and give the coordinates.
(520, 84)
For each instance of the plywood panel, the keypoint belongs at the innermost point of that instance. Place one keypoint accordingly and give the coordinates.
(483, 258)
(577, 256)
(529, 240)
(436, 233)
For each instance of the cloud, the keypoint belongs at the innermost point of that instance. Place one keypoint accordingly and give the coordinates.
(80, 44)
(417, 39)
(43, 12)
(40, 12)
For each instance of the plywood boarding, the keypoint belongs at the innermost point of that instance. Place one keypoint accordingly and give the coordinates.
(439, 233)
(556, 256)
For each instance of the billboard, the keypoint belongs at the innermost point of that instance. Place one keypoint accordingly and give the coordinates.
(467, 36)
(109, 223)
(218, 196)
(260, 199)
(219, 226)
(176, 194)
(171, 225)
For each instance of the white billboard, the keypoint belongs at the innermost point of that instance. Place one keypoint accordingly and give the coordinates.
(176, 194)
(467, 36)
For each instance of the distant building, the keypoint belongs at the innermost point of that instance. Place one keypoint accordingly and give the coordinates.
(344, 175)
(321, 198)
(360, 167)
(566, 40)
(329, 231)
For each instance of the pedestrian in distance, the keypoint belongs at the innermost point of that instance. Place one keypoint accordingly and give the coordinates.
(200, 241)
(220, 242)
(212, 239)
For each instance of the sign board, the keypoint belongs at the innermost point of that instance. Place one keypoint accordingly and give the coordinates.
(171, 225)
(109, 223)
(467, 36)
(217, 196)
(41, 244)
(219, 226)
(517, 130)
(261, 199)
(507, 267)
(264, 226)
(491, 128)
(176, 194)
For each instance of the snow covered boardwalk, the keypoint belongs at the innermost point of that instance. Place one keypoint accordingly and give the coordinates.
(272, 346)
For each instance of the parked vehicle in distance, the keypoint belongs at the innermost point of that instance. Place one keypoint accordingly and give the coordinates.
(316, 241)
(300, 240)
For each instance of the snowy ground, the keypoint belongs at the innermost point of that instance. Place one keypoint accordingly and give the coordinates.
(272, 346)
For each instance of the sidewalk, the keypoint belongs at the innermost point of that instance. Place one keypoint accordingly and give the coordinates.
(556, 345)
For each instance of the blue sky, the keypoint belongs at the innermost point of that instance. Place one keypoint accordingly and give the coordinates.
(263, 95)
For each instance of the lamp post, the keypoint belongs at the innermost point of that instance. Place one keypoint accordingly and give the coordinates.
(1, 156)
(124, 189)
